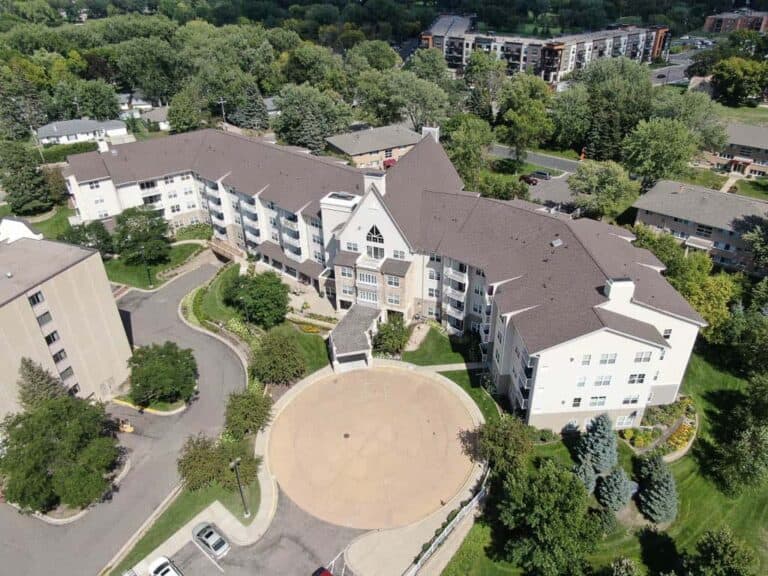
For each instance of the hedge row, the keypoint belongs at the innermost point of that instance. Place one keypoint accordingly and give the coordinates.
(59, 152)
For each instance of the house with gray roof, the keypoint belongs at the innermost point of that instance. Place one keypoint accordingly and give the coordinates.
(703, 219)
(82, 130)
(376, 148)
(745, 152)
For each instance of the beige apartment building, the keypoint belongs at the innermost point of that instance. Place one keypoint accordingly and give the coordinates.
(745, 151)
(57, 308)
(377, 148)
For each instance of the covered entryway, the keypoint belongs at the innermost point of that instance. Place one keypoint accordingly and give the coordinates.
(351, 342)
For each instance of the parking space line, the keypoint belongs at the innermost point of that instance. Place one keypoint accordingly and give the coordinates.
(208, 556)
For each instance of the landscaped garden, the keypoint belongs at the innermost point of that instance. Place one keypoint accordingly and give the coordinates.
(702, 505)
(53, 227)
(703, 177)
(439, 348)
(149, 276)
(471, 383)
(756, 188)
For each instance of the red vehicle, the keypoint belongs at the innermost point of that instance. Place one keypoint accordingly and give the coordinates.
(530, 180)
(321, 572)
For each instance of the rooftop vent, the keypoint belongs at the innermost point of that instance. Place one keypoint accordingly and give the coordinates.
(556, 243)
(9, 274)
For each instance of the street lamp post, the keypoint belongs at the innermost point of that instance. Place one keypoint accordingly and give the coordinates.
(235, 465)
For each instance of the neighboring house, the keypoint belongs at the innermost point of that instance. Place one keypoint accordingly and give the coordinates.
(57, 308)
(573, 319)
(744, 19)
(132, 105)
(158, 116)
(702, 219)
(551, 59)
(375, 147)
(746, 151)
(554, 193)
(83, 130)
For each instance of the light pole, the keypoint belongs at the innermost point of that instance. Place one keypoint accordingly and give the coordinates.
(223, 112)
(235, 465)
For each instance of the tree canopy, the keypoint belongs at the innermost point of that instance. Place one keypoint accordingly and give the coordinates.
(603, 189)
(36, 384)
(141, 236)
(260, 298)
(162, 373)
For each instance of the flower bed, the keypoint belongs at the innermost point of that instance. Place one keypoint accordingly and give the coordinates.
(664, 429)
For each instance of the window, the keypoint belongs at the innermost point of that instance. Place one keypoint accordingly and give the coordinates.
(103, 214)
(346, 272)
(631, 399)
(52, 337)
(435, 257)
(703, 231)
(44, 318)
(375, 252)
(581, 382)
(187, 191)
(97, 201)
(608, 359)
(636, 379)
(375, 236)
(94, 185)
(624, 421)
(393, 299)
(185, 177)
(430, 311)
(368, 296)
(59, 356)
(36, 298)
(667, 334)
(433, 293)
(388, 153)
(175, 208)
(398, 254)
(352, 247)
(603, 381)
(366, 278)
(173, 194)
(596, 401)
(317, 239)
(318, 256)
(434, 275)
(393, 281)
(314, 222)
(275, 237)
(477, 290)
(273, 221)
(576, 403)
(348, 290)
(168, 179)
(67, 373)
(586, 359)
(642, 357)
(191, 205)
(148, 185)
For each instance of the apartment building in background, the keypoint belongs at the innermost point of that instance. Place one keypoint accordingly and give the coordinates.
(552, 58)
(703, 219)
(572, 319)
(745, 152)
(57, 308)
(744, 19)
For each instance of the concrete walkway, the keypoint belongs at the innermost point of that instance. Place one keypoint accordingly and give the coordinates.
(732, 179)
(433, 368)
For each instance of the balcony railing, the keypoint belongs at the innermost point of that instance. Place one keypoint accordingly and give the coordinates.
(455, 274)
(289, 239)
(213, 199)
(217, 215)
(290, 224)
(453, 310)
(453, 293)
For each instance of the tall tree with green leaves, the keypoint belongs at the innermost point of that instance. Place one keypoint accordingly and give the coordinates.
(484, 76)
(251, 113)
(737, 81)
(424, 102)
(467, 138)
(92, 235)
(571, 115)
(377, 54)
(694, 109)
(141, 236)
(27, 191)
(603, 189)
(36, 384)
(247, 412)
(756, 236)
(260, 298)
(162, 373)
(505, 444)
(308, 116)
(429, 64)
(187, 109)
(279, 359)
(719, 553)
(523, 120)
(658, 148)
(614, 490)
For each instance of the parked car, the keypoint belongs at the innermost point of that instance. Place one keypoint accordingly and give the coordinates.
(662, 75)
(163, 567)
(321, 572)
(210, 539)
(541, 175)
(530, 180)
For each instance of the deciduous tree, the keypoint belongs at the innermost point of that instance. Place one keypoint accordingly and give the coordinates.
(603, 189)
(737, 81)
(251, 112)
(308, 116)
(392, 336)
(505, 444)
(247, 412)
(718, 553)
(467, 140)
(279, 359)
(260, 298)
(141, 237)
(162, 373)
(659, 148)
(523, 120)
(187, 109)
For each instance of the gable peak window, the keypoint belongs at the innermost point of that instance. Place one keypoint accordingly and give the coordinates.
(374, 235)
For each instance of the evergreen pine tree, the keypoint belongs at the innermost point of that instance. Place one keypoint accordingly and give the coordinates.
(658, 492)
(37, 384)
(624, 567)
(599, 444)
(251, 112)
(585, 471)
(613, 491)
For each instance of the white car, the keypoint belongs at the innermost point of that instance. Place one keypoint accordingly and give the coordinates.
(210, 539)
(163, 567)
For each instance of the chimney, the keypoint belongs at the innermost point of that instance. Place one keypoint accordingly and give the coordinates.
(619, 289)
(377, 179)
(433, 131)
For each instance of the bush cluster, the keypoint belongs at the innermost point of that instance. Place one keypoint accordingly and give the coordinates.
(205, 461)
(247, 412)
(59, 152)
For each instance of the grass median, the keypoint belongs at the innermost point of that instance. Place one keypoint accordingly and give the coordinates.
(141, 276)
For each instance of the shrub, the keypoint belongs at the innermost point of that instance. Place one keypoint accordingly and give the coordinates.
(261, 299)
(680, 437)
(585, 471)
(59, 152)
(279, 359)
(162, 372)
(391, 337)
(658, 493)
(667, 414)
(604, 521)
(247, 412)
(599, 444)
(624, 567)
(203, 462)
(613, 491)
(718, 552)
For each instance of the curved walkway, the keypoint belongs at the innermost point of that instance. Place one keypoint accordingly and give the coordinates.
(28, 546)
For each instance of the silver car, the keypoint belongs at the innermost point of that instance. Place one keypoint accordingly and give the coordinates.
(163, 567)
(211, 540)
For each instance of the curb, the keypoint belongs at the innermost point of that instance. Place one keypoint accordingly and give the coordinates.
(152, 411)
(164, 284)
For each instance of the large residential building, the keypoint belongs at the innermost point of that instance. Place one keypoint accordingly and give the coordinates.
(551, 58)
(745, 152)
(375, 147)
(71, 131)
(57, 308)
(738, 20)
(703, 219)
(573, 319)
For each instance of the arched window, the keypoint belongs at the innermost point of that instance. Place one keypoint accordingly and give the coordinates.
(375, 236)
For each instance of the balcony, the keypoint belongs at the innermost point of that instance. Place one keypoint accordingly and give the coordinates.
(451, 308)
(485, 333)
(250, 212)
(291, 239)
(522, 396)
(213, 199)
(220, 230)
(289, 224)
(453, 293)
(217, 215)
(455, 274)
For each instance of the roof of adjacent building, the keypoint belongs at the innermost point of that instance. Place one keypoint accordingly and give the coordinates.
(28, 262)
(156, 114)
(450, 25)
(344, 258)
(747, 135)
(72, 127)
(350, 334)
(701, 205)
(552, 192)
(374, 139)
(294, 179)
(395, 267)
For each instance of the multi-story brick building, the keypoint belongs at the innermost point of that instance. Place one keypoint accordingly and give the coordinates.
(551, 58)
(572, 319)
(57, 308)
(703, 219)
(738, 20)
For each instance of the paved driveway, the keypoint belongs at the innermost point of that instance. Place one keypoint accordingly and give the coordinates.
(537, 158)
(30, 547)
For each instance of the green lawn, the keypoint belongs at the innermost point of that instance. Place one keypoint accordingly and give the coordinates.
(56, 225)
(186, 506)
(702, 505)
(194, 232)
(743, 114)
(213, 307)
(703, 177)
(312, 346)
(119, 271)
(567, 154)
(438, 348)
(470, 383)
(757, 188)
(5, 210)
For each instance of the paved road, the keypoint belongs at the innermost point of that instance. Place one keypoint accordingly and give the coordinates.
(30, 547)
(296, 544)
(669, 75)
(537, 158)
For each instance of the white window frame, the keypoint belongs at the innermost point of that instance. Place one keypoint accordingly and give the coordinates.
(608, 358)
(393, 281)
(643, 357)
(367, 278)
(368, 296)
(346, 272)
(638, 378)
(603, 380)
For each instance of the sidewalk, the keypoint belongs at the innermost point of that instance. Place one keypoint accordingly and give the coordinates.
(383, 362)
